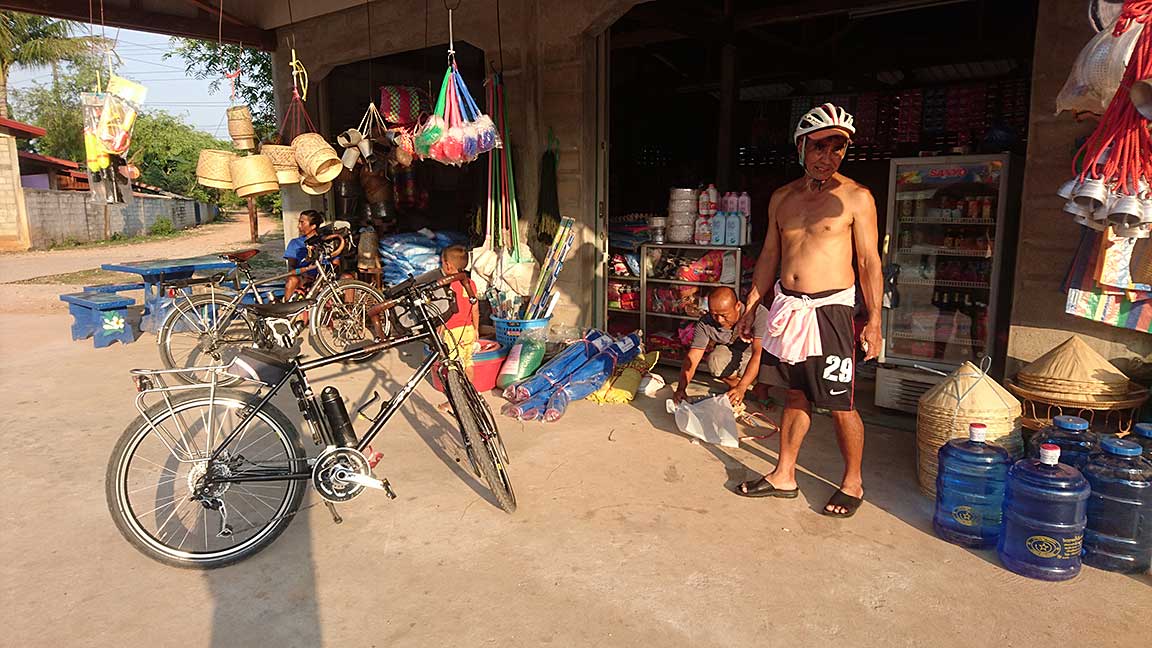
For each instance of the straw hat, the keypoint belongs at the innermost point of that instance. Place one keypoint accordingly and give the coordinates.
(1074, 371)
(967, 396)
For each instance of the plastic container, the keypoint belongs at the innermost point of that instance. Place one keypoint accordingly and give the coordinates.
(1072, 436)
(734, 229)
(486, 366)
(1045, 512)
(1142, 434)
(719, 227)
(970, 490)
(507, 330)
(703, 234)
(1119, 533)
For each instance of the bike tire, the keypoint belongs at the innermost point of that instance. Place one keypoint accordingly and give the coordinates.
(225, 322)
(120, 464)
(484, 454)
(326, 316)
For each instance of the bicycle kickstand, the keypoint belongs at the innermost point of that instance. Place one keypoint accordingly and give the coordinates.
(335, 516)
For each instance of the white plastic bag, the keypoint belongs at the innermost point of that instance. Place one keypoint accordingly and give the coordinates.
(1097, 71)
(651, 384)
(711, 420)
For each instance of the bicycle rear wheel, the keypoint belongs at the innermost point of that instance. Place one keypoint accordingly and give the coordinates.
(339, 320)
(479, 429)
(202, 330)
(161, 460)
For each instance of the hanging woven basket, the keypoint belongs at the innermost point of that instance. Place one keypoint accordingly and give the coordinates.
(317, 159)
(254, 175)
(967, 396)
(313, 187)
(284, 160)
(240, 128)
(212, 168)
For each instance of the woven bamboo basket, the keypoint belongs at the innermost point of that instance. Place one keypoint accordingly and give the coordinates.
(284, 160)
(945, 411)
(254, 175)
(1142, 262)
(311, 187)
(240, 128)
(317, 159)
(213, 168)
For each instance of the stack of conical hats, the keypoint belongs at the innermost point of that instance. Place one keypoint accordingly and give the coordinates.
(967, 396)
(1073, 373)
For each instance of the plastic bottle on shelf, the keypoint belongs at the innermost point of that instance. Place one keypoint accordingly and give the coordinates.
(1119, 533)
(703, 234)
(734, 230)
(719, 228)
(713, 199)
(1045, 513)
(744, 204)
(970, 490)
(702, 203)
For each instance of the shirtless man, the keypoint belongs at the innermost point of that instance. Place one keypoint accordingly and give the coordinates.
(813, 224)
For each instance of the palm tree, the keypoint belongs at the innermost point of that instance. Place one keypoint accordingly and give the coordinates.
(31, 40)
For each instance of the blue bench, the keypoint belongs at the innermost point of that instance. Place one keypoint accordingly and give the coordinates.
(114, 288)
(101, 316)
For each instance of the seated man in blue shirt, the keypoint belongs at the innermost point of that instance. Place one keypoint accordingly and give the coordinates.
(296, 254)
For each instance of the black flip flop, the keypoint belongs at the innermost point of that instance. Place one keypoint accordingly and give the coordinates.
(764, 488)
(845, 501)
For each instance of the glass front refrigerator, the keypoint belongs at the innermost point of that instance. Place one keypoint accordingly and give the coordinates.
(946, 218)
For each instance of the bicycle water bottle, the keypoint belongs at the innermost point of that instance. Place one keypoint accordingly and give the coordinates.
(1142, 435)
(1119, 533)
(1045, 512)
(1072, 436)
(970, 490)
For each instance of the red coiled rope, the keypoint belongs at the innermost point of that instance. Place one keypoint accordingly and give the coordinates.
(1122, 131)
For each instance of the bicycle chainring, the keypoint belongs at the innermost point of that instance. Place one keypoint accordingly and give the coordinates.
(330, 466)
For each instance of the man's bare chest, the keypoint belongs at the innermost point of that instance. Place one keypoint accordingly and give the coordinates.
(822, 215)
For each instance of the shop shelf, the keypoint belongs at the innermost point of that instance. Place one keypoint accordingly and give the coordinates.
(677, 282)
(692, 246)
(929, 338)
(671, 315)
(941, 251)
(623, 310)
(943, 221)
(623, 278)
(944, 284)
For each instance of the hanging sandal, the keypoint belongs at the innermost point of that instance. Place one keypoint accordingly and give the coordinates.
(764, 488)
(843, 500)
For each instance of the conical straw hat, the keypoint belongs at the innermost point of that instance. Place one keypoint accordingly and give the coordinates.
(1077, 363)
(969, 389)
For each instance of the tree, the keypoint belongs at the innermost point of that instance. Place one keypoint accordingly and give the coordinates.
(207, 60)
(32, 41)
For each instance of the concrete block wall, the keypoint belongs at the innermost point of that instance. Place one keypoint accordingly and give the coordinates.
(1048, 237)
(55, 217)
(13, 228)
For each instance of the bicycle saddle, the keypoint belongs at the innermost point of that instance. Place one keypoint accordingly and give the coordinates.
(239, 256)
(282, 309)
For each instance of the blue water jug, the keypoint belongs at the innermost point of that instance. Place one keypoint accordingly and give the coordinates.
(1072, 436)
(1119, 533)
(1045, 511)
(1142, 434)
(970, 490)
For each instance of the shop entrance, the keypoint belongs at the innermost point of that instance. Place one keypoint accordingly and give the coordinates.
(709, 93)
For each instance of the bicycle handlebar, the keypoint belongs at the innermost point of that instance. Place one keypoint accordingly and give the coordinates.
(405, 288)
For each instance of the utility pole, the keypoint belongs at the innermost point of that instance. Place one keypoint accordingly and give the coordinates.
(253, 228)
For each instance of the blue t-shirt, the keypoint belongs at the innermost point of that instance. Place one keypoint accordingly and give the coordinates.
(298, 252)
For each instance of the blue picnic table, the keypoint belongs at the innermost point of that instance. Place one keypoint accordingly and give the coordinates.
(156, 272)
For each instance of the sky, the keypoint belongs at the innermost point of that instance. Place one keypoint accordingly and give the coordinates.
(169, 87)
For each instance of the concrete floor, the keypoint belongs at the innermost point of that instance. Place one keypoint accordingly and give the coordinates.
(626, 535)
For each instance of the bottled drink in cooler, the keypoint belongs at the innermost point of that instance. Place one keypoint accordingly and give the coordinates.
(1045, 512)
(970, 490)
(1119, 533)
(1072, 436)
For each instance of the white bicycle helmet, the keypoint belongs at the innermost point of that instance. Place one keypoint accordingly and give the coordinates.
(822, 117)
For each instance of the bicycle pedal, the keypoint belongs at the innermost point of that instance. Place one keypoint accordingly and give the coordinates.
(388, 490)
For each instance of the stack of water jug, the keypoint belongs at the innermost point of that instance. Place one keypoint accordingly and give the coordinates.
(1076, 497)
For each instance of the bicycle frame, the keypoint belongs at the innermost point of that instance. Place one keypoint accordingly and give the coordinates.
(297, 377)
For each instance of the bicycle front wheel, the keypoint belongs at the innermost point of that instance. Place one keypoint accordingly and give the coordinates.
(339, 320)
(202, 330)
(162, 490)
(479, 429)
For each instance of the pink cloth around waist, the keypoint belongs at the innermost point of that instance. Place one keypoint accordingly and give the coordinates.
(793, 332)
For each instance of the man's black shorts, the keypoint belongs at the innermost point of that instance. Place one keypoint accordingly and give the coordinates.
(828, 380)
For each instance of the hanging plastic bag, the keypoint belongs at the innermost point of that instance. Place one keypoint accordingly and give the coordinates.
(432, 130)
(1098, 71)
(711, 420)
(121, 104)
